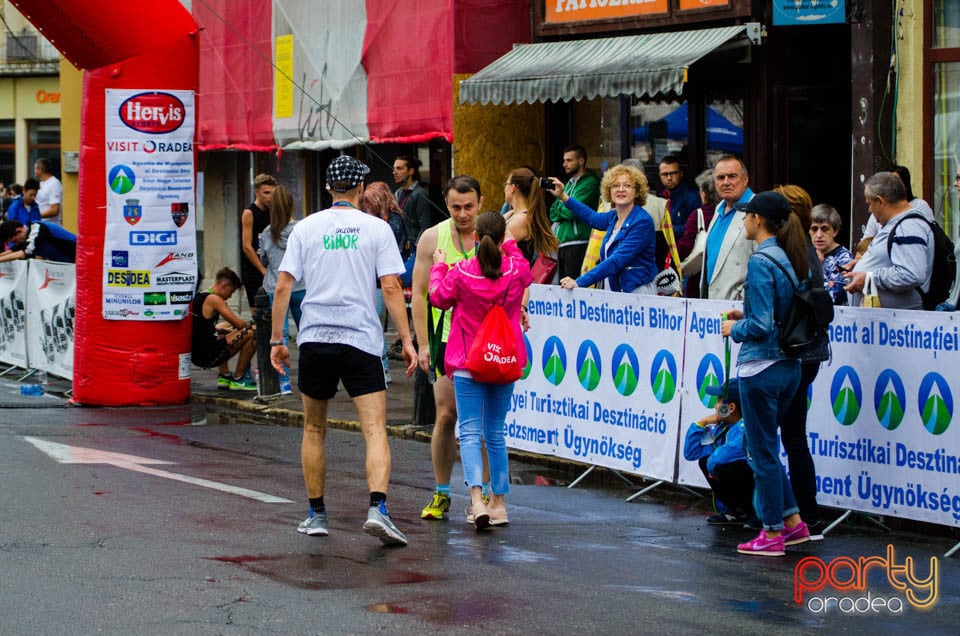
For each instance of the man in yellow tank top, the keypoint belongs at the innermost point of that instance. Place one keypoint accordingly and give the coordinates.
(457, 237)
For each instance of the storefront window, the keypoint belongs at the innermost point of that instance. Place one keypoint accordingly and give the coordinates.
(724, 129)
(946, 24)
(7, 155)
(658, 129)
(44, 141)
(946, 142)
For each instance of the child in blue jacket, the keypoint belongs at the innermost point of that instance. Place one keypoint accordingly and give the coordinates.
(716, 444)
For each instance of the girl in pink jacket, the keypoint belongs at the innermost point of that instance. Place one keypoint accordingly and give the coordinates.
(498, 274)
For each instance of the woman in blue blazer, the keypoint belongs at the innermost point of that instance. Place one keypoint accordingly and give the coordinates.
(628, 250)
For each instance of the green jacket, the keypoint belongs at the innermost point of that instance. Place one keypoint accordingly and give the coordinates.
(565, 224)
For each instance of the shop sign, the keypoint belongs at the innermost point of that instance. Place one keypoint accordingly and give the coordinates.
(806, 12)
(559, 11)
(43, 97)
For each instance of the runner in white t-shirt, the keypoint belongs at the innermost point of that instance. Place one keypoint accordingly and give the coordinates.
(339, 254)
(50, 195)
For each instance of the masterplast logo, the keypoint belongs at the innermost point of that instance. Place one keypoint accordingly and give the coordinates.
(588, 365)
(846, 395)
(889, 399)
(154, 113)
(663, 376)
(626, 369)
(935, 402)
(709, 374)
(554, 360)
(847, 585)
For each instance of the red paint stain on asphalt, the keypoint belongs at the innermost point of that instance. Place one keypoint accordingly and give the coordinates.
(175, 439)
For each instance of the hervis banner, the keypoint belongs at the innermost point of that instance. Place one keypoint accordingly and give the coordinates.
(880, 421)
(51, 289)
(13, 313)
(601, 384)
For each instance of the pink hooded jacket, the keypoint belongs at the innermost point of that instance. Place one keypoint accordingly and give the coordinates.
(464, 286)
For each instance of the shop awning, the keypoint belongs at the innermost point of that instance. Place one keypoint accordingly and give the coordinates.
(576, 69)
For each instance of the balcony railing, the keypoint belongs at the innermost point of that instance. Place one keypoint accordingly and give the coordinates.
(27, 53)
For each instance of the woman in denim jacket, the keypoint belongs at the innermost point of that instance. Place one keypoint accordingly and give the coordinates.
(629, 247)
(768, 377)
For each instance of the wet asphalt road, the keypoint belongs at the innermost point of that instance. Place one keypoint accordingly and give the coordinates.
(97, 548)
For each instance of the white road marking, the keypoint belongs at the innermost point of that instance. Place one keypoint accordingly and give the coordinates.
(78, 455)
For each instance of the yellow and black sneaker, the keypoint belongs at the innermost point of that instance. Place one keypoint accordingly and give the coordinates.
(438, 507)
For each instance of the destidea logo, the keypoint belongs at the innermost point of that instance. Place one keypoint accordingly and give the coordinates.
(663, 376)
(846, 395)
(709, 373)
(889, 399)
(529, 365)
(554, 360)
(626, 369)
(588, 365)
(935, 402)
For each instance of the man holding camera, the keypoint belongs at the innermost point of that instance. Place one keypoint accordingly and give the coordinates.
(584, 186)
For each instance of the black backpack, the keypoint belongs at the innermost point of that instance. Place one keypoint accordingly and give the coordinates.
(944, 262)
(810, 314)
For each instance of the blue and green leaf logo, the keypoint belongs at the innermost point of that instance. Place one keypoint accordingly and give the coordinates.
(663, 376)
(529, 365)
(709, 373)
(935, 402)
(626, 369)
(846, 395)
(554, 360)
(121, 179)
(588, 365)
(889, 399)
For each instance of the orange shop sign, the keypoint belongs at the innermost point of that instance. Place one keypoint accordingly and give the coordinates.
(43, 97)
(580, 10)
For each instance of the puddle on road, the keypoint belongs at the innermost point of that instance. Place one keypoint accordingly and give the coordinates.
(326, 572)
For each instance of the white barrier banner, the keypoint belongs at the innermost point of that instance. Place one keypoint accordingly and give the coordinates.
(704, 364)
(13, 313)
(149, 250)
(51, 289)
(602, 380)
(880, 424)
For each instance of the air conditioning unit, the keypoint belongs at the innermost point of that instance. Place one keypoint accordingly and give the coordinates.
(22, 48)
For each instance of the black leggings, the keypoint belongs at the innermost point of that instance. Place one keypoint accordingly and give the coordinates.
(793, 434)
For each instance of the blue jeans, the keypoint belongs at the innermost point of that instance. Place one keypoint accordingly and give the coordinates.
(296, 299)
(765, 400)
(482, 409)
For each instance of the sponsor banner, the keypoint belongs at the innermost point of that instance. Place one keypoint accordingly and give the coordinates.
(13, 313)
(602, 380)
(704, 364)
(150, 237)
(51, 289)
(880, 423)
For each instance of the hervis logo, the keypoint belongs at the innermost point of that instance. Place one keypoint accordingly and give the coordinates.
(588, 365)
(935, 402)
(663, 376)
(709, 373)
(889, 399)
(626, 369)
(554, 360)
(846, 395)
(529, 365)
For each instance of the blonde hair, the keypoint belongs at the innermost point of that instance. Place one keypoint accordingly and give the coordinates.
(800, 203)
(636, 177)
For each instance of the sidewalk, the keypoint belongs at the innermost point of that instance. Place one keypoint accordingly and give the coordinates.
(287, 409)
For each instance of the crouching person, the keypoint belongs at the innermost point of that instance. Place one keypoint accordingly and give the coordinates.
(215, 341)
(715, 442)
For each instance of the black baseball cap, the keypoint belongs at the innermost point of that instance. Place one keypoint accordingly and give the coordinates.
(345, 170)
(771, 205)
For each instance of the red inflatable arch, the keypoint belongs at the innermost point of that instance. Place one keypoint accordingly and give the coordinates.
(124, 45)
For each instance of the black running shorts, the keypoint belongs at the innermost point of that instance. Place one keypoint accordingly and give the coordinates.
(323, 366)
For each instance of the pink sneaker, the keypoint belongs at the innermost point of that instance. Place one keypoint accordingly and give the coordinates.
(763, 546)
(796, 535)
